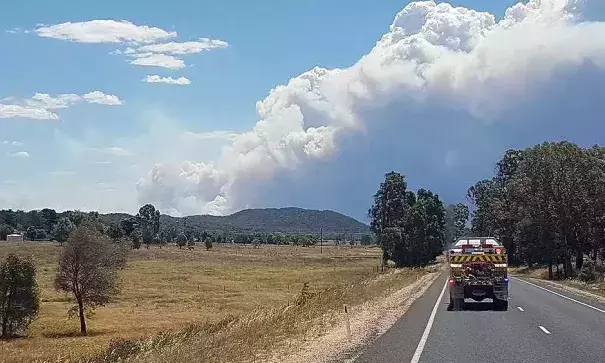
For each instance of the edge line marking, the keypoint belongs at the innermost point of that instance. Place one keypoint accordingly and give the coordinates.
(427, 329)
(560, 295)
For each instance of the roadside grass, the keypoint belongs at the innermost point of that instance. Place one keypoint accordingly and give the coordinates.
(541, 273)
(255, 336)
(233, 297)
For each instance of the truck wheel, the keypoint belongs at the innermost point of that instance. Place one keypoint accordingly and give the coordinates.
(457, 304)
(501, 304)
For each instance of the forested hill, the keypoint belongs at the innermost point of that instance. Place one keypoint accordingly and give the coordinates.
(285, 220)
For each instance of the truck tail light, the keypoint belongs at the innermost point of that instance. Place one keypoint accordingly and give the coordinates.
(452, 282)
(498, 251)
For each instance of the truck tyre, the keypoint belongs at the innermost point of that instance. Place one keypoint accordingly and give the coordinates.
(501, 305)
(457, 304)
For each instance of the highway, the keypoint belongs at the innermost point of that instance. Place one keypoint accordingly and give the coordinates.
(542, 325)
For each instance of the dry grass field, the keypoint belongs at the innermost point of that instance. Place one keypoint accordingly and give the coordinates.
(185, 291)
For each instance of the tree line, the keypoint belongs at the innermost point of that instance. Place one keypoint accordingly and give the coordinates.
(546, 204)
(145, 229)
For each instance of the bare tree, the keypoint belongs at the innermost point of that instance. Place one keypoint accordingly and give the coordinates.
(88, 270)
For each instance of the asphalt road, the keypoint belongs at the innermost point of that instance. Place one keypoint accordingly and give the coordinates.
(540, 326)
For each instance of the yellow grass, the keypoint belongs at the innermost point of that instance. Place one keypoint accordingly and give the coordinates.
(170, 289)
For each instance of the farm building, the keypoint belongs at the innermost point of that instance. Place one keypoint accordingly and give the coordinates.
(14, 238)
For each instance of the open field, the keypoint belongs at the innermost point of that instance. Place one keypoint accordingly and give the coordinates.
(170, 289)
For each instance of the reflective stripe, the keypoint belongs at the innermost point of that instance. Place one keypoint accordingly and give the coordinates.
(455, 265)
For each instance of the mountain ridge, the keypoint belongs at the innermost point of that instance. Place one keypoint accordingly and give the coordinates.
(263, 220)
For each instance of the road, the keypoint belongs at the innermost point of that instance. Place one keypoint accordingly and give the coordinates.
(540, 326)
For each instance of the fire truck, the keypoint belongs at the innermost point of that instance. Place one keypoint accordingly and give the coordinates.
(478, 271)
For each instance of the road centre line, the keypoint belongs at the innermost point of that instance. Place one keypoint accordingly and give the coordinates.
(520, 308)
(427, 329)
(560, 295)
(543, 329)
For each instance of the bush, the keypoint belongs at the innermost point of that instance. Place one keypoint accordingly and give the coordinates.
(591, 271)
(19, 298)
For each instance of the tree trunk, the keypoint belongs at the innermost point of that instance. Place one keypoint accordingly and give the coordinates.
(550, 269)
(579, 260)
(567, 269)
(82, 317)
(4, 326)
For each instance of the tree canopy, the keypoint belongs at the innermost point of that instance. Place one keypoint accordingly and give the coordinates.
(546, 204)
(410, 227)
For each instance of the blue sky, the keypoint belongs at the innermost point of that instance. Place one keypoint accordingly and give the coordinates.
(197, 148)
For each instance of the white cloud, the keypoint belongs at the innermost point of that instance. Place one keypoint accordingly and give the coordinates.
(460, 58)
(103, 162)
(40, 105)
(218, 134)
(14, 143)
(101, 98)
(19, 154)
(105, 31)
(181, 81)
(158, 60)
(181, 48)
(113, 151)
(34, 113)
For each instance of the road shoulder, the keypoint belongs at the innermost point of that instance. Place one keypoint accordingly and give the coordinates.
(399, 343)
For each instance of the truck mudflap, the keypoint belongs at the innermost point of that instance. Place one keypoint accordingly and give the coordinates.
(501, 291)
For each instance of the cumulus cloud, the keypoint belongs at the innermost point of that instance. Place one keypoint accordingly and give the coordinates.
(182, 48)
(158, 60)
(40, 106)
(181, 81)
(104, 31)
(20, 154)
(436, 63)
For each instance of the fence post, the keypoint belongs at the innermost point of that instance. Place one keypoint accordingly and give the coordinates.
(347, 322)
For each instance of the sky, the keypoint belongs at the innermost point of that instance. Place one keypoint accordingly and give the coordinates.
(215, 106)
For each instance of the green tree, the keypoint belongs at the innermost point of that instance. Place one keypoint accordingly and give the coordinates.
(148, 220)
(390, 211)
(19, 297)
(62, 229)
(181, 240)
(366, 240)
(460, 217)
(88, 270)
(5, 230)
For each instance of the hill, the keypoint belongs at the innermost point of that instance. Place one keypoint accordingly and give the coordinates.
(266, 220)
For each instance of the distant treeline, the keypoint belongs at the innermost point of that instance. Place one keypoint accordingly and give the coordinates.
(149, 227)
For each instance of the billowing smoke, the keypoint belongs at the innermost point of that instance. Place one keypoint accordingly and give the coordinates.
(445, 90)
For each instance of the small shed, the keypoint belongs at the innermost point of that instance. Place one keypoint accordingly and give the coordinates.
(15, 237)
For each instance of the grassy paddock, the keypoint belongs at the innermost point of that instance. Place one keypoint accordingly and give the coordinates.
(171, 290)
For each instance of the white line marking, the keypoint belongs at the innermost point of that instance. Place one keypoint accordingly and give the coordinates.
(427, 330)
(561, 295)
(520, 308)
(543, 329)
